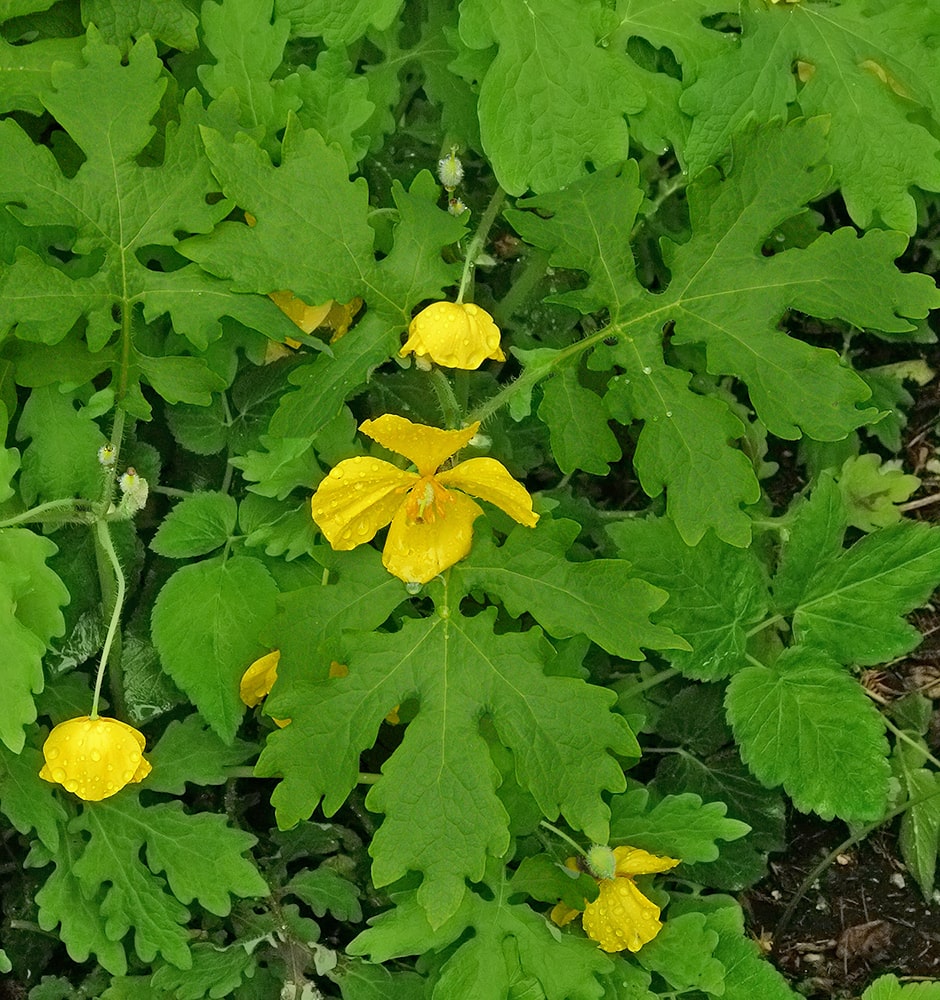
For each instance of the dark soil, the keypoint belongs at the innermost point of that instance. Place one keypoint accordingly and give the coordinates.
(862, 918)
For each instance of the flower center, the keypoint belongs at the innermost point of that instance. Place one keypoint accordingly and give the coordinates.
(426, 501)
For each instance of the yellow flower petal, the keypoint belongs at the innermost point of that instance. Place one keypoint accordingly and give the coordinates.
(562, 914)
(341, 316)
(258, 679)
(490, 480)
(307, 317)
(621, 916)
(456, 335)
(359, 496)
(416, 551)
(633, 861)
(94, 758)
(427, 447)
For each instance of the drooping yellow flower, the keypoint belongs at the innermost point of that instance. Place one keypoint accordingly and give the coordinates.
(431, 524)
(455, 335)
(257, 681)
(621, 916)
(94, 758)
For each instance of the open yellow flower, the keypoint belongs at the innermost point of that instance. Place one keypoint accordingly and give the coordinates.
(431, 524)
(455, 335)
(257, 681)
(94, 758)
(621, 916)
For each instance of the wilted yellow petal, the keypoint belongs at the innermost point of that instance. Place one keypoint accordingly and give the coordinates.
(562, 914)
(490, 480)
(427, 447)
(94, 758)
(359, 496)
(633, 861)
(454, 334)
(621, 916)
(341, 316)
(307, 317)
(416, 551)
(258, 679)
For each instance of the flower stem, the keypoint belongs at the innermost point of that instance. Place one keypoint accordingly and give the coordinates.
(103, 537)
(479, 239)
(564, 836)
(446, 398)
(68, 505)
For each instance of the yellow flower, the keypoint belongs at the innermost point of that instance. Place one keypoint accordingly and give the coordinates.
(621, 916)
(94, 758)
(455, 335)
(257, 681)
(431, 525)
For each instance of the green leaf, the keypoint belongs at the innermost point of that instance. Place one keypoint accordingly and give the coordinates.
(215, 972)
(889, 988)
(559, 729)
(530, 574)
(30, 597)
(62, 457)
(248, 50)
(190, 752)
(336, 103)
(206, 626)
(339, 22)
(727, 296)
(285, 464)
(814, 539)
(747, 973)
(807, 725)
(544, 878)
(196, 525)
(679, 826)
(84, 927)
(201, 856)
(308, 203)
(920, 828)
(585, 224)
(870, 71)
(547, 70)
(117, 209)
(508, 939)
(324, 890)
(683, 954)
(871, 491)
(28, 802)
(169, 21)
(26, 70)
(9, 459)
(716, 593)
(202, 430)
(365, 981)
(853, 607)
(577, 420)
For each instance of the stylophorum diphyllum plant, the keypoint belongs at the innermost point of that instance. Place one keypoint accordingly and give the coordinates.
(505, 503)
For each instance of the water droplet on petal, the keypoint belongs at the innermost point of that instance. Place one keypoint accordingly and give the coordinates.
(95, 756)
(52, 753)
(58, 774)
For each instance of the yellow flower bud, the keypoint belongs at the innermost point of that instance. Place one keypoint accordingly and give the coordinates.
(455, 335)
(94, 758)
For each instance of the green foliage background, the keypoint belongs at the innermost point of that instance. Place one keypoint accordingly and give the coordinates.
(700, 208)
